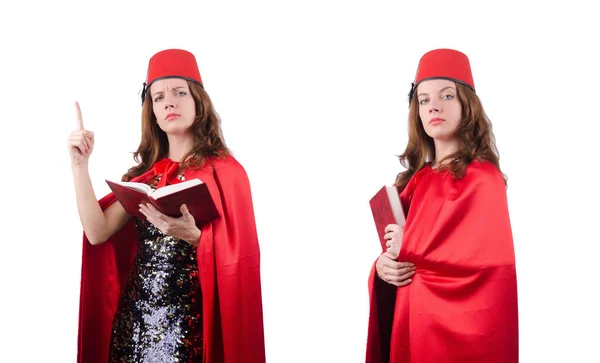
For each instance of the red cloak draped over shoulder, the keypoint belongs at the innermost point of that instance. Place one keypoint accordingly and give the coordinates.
(462, 303)
(229, 270)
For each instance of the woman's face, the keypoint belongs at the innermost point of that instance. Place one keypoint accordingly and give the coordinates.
(173, 105)
(439, 108)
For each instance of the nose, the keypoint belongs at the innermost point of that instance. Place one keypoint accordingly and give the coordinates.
(169, 102)
(435, 106)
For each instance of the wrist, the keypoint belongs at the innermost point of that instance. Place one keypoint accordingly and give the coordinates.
(79, 166)
(194, 237)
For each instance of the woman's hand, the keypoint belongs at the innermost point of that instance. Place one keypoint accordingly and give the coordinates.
(80, 142)
(393, 235)
(394, 272)
(388, 269)
(183, 227)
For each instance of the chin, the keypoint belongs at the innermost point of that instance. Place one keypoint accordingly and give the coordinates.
(440, 133)
(441, 136)
(175, 128)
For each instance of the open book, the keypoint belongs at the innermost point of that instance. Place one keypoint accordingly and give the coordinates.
(387, 209)
(168, 199)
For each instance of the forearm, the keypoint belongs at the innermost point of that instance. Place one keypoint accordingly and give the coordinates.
(92, 217)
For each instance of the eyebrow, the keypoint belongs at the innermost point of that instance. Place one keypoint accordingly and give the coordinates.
(443, 89)
(174, 89)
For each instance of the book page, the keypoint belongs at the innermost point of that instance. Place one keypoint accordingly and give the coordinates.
(174, 188)
(144, 188)
(396, 205)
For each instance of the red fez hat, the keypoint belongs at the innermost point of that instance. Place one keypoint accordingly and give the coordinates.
(172, 63)
(447, 64)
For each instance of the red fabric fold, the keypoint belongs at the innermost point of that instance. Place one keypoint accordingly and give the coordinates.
(462, 303)
(168, 168)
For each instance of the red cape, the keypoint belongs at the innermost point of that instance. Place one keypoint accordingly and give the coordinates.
(462, 303)
(229, 269)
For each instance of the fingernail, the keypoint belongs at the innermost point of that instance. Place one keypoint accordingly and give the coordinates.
(409, 280)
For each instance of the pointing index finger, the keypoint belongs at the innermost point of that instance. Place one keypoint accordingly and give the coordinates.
(78, 115)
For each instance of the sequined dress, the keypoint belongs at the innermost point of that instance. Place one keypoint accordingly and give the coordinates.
(159, 316)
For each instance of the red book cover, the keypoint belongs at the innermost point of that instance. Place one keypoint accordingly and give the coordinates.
(193, 193)
(386, 209)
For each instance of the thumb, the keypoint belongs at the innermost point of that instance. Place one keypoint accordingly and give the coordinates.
(393, 252)
(184, 210)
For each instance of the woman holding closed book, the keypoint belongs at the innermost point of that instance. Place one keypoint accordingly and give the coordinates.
(160, 288)
(446, 290)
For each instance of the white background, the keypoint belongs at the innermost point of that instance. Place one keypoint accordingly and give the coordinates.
(313, 98)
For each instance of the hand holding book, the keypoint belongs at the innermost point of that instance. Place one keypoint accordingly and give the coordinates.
(388, 215)
(393, 239)
(390, 219)
(167, 200)
(183, 227)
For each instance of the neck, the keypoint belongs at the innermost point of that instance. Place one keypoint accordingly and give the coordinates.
(443, 148)
(179, 145)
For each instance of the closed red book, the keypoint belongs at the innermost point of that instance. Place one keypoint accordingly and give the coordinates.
(387, 209)
(168, 199)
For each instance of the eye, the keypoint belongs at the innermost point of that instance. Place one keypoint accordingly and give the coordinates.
(447, 97)
(158, 98)
(423, 101)
(181, 93)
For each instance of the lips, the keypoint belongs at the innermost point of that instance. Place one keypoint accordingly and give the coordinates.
(172, 116)
(436, 120)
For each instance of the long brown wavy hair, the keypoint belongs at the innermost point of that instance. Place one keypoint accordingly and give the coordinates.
(206, 128)
(476, 140)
